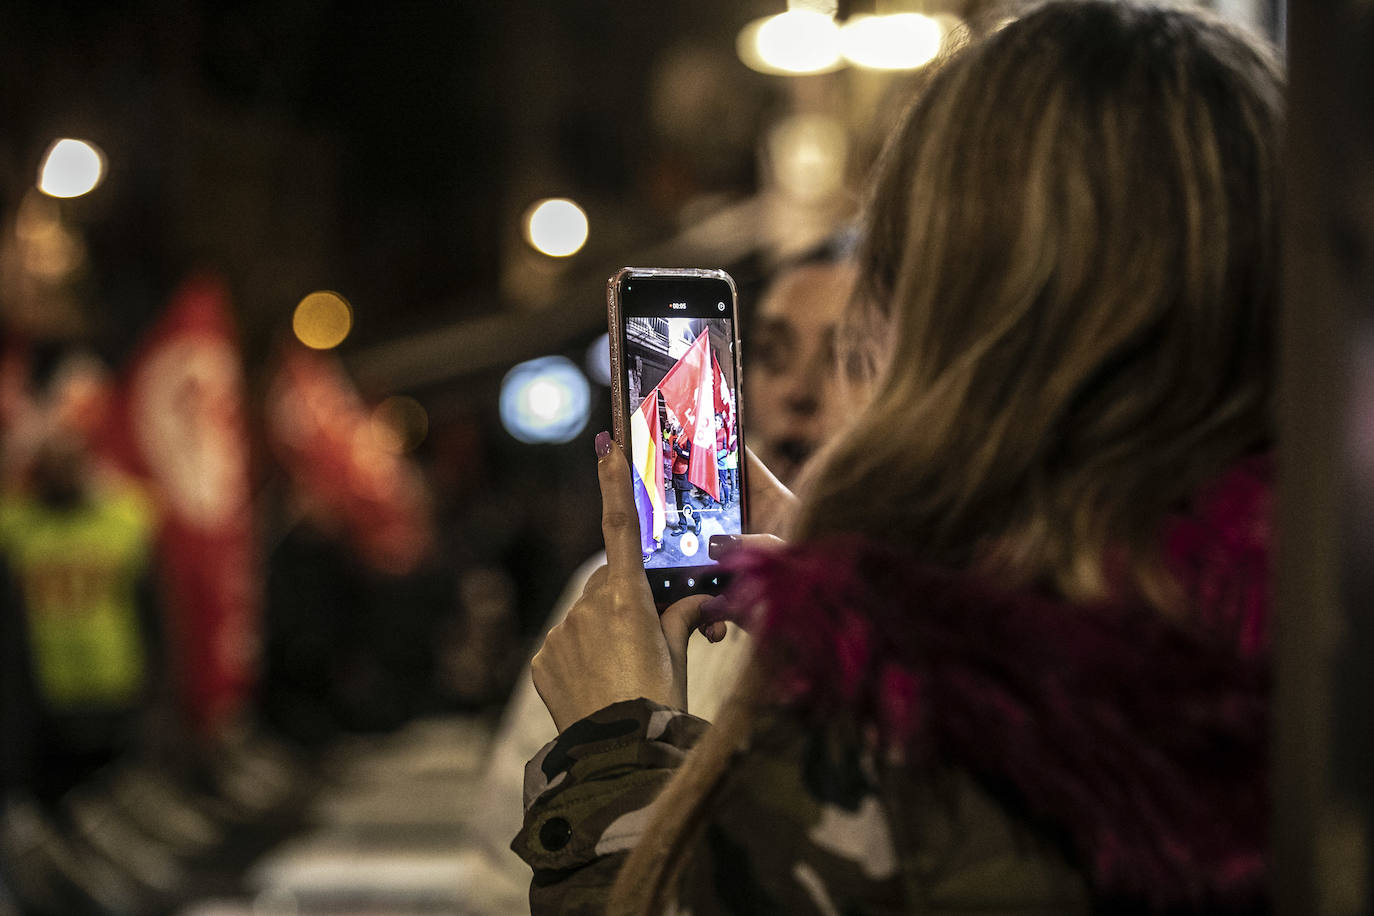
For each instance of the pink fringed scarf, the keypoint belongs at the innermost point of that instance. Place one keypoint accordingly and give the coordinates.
(1142, 741)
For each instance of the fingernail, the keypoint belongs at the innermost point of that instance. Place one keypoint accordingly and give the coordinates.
(721, 545)
(603, 444)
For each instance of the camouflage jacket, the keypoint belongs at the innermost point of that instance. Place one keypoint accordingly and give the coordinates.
(805, 821)
(1063, 757)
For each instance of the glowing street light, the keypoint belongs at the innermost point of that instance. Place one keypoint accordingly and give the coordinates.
(898, 41)
(545, 400)
(556, 227)
(795, 43)
(322, 320)
(71, 168)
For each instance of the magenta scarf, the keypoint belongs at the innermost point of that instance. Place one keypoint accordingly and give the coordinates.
(1139, 741)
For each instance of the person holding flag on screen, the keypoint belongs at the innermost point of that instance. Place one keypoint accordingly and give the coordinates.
(681, 444)
(689, 392)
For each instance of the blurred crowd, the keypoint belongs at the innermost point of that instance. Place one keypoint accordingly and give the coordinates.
(200, 593)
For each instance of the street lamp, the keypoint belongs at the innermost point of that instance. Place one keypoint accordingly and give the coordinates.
(71, 168)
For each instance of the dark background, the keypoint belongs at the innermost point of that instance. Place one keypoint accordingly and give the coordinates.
(387, 151)
(384, 150)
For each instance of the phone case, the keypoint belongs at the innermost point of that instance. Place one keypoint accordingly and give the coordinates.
(618, 418)
(619, 397)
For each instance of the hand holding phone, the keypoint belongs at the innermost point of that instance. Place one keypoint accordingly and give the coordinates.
(573, 672)
(675, 373)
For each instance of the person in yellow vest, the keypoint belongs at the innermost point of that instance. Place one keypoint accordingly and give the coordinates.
(81, 630)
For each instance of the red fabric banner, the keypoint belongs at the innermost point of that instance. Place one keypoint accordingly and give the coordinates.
(185, 434)
(725, 402)
(345, 464)
(689, 393)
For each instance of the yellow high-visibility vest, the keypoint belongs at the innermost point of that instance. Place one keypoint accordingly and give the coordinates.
(78, 571)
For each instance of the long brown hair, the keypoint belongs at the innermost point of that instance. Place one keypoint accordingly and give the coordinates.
(1075, 244)
(1072, 248)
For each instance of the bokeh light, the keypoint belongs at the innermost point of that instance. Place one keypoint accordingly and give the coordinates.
(322, 320)
(71, 168)
(46, 247)
(899, 41)
(400, 423)
(808, 154)
(557, 227)
(796, 42)
(598, 360)
(545, 400)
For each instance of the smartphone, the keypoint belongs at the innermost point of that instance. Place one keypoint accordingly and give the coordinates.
(675, 392)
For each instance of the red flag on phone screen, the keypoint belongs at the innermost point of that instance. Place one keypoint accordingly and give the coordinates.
(725, 402)
(689, 393)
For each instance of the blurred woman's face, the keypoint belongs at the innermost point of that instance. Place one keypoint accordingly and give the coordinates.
(790, 384)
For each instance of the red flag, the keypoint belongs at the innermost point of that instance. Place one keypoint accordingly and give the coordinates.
(689, 393)
(346, 464)
(679, 386)
(725, 402)
(184, 421)
(718, 384)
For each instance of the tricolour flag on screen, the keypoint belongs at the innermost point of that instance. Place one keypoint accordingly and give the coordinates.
(646, 452)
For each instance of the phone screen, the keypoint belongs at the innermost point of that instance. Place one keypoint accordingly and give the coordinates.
(684, 440)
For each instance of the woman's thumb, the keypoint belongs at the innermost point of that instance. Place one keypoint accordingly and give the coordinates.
(678, 622)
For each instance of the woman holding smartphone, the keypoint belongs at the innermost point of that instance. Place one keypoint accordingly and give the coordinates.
(1015, 659)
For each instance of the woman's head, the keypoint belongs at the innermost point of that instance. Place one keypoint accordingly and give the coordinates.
(1066, 292)
(1071, 259)
(792, 405)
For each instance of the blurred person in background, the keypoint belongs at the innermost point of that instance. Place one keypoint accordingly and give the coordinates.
(791, 405)
(1043, 539)
(84, 656)
(86, 681)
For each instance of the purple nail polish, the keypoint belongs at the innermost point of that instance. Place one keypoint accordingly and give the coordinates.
(603, 444)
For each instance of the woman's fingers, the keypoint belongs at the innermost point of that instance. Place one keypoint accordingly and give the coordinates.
(714, 632)
(596, 579)
(609, 647)
(612, 645)
(619, 520)
(729, 543)
(678, 622)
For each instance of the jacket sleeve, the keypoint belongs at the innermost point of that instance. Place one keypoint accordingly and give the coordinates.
(588, 797)
(796, 826)
(802, 823)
